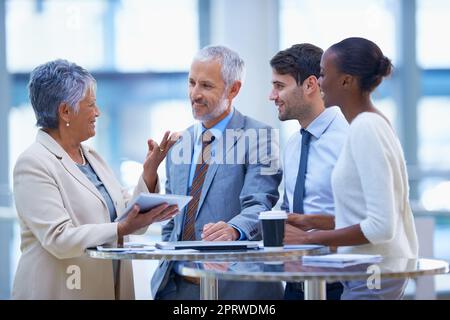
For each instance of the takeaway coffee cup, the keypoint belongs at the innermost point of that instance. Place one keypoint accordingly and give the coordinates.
(273, 229)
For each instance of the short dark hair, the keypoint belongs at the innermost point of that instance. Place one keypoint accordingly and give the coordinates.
(300, 61)
(364, 59)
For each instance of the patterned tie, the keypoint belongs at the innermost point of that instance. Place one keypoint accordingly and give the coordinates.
(197, 184)
(299, 192)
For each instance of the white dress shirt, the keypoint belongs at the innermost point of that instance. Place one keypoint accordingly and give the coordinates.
(217, 131)
(329, 132)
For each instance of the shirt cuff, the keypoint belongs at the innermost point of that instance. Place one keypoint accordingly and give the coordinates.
(242, 235)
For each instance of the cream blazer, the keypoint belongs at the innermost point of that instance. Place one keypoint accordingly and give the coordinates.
(61, 213)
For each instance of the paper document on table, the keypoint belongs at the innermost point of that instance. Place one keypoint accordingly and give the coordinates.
(337, 260)
(128, 247)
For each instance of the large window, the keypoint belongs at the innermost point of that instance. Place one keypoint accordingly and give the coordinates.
(131, 35)
(137, 49)
(156, 35)
(434, 138)
(326, 22)
(39, 31)
(433, 50)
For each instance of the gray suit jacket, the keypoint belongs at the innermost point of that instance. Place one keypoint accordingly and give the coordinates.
(234, 192)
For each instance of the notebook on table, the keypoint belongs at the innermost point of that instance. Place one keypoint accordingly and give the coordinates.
(208, 245)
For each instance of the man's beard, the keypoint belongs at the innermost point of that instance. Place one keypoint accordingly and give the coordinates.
(294, 112)
(287, 114)
(217, 111)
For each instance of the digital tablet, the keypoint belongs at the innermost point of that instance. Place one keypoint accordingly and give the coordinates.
(147, 201)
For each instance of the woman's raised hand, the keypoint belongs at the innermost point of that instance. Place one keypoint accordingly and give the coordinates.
(155, 155)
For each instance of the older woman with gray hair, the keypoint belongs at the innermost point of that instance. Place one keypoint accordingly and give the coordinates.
(67, 198)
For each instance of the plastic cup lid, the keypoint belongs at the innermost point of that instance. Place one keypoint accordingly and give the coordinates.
(272, 215)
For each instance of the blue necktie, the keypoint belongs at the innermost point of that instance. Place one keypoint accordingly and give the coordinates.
(299, 191)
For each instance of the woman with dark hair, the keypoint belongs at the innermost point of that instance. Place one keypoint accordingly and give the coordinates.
(370, 182)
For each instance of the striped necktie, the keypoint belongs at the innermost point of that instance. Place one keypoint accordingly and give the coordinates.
(197, 184)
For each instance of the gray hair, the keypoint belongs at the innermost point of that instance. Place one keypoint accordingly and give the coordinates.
(232, 66)
(56, 82)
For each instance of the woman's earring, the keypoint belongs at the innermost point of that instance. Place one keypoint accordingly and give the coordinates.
(67, 124)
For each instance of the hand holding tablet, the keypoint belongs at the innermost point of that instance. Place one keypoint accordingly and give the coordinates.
(148, 201)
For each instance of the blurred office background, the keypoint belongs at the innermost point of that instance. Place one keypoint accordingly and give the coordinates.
(140, 51)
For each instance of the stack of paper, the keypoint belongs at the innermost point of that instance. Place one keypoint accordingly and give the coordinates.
(338, 260)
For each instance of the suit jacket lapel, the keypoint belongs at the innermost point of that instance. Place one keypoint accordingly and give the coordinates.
(48, 142)
(181, 172)
(236, 124)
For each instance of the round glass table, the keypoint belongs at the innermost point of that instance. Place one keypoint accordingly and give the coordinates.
(314, 277)
(291, 253)
(208, 288)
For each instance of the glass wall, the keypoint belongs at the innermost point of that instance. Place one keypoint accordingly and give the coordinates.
(139, 51)
(433, 55)
(156, 35)
(53, 29)
(125, 44)
(326, 22)
(432, 24)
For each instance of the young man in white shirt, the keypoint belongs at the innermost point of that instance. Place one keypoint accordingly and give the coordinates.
(311, 152)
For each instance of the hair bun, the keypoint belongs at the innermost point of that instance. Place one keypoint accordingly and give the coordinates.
(384, 67)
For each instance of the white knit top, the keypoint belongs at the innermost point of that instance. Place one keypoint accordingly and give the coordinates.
(370, 188)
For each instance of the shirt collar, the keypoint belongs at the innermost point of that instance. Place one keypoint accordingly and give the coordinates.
(217, 130)
(321, 123)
